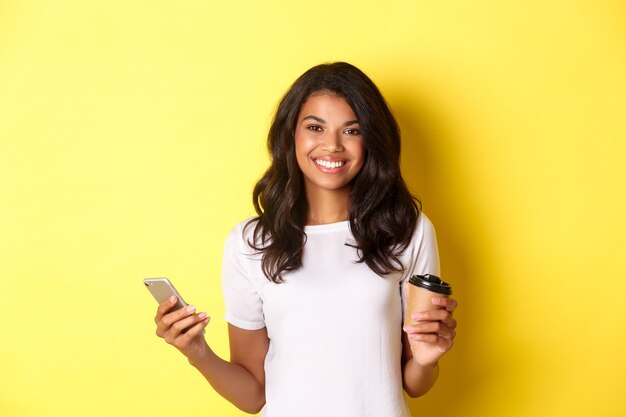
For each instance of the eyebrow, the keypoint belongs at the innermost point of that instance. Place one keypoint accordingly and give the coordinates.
(320, 120)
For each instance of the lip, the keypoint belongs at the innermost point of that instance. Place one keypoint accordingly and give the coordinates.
(329, 170)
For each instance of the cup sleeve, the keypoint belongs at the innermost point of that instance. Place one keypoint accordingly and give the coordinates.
(244, 306)
(423, 255)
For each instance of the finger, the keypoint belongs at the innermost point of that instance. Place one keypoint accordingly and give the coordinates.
(450, 322)
(449, 304)
(432, 315)
(450, 336)
(180, 326)
(442, 343)
(185, 339)
(165, 307)
(424, 337)
(166, 322)
(432, 328)
(169, 319)
(446, 333)
(429, 327)
(197, 328)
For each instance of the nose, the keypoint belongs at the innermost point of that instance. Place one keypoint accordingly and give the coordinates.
(332, 142)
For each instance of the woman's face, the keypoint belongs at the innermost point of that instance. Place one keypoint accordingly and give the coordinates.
(329, 145)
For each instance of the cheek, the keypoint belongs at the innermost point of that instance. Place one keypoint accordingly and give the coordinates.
(302, 148)
(358, 149)
(358, 152)
(304, 145)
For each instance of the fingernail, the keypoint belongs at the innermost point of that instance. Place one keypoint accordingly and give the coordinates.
(417, 316)
(173, 299)
(436, 300)
(202, 315)
(191, 309)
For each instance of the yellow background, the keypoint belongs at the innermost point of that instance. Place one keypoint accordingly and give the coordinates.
(132, 133)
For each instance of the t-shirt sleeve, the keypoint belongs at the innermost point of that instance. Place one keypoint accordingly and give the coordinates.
(426, 260)
(423, 256)
(244, 307)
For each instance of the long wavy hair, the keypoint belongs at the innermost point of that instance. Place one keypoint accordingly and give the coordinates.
(382, 211)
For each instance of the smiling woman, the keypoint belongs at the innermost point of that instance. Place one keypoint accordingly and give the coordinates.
(314, 285)
(381, 226)
(330, 152)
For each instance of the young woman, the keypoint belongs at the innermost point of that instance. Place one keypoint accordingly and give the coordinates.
(314, 285)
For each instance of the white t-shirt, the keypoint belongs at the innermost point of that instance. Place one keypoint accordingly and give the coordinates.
(334, 326)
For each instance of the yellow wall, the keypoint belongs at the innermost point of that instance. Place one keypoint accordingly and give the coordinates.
(132, 132)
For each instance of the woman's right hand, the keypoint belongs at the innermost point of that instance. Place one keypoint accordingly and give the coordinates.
(170, 326)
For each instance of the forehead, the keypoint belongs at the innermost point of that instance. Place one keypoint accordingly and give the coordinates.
(326, 103)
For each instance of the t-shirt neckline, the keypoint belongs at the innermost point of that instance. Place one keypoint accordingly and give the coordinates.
(328, 227)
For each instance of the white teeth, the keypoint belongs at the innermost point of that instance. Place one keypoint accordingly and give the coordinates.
(329, 164)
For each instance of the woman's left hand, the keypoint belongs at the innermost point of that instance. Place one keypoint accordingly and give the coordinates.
(434, 333)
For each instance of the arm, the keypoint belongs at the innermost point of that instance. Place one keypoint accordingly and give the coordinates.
(240, 380)
(423, 345)
(417, 380)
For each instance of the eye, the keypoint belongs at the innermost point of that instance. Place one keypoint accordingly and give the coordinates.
(315, 128)
(352, 131)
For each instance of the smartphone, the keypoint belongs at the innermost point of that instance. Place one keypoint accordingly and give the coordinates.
(162, 289)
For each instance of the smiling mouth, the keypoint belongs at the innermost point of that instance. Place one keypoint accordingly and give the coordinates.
(329, 164)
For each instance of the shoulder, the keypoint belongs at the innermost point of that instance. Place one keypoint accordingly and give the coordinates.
(424, 239)
(240, 258)
(239, 236)
(422, 254)
(424, 229)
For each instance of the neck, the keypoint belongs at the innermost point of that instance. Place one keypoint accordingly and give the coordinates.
(327, 206)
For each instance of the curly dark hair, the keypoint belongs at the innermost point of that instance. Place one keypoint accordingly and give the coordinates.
(382, 211)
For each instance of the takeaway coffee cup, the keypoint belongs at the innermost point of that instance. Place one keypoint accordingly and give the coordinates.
(420, 291)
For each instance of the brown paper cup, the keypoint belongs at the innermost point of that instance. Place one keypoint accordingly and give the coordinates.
(419, 299)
